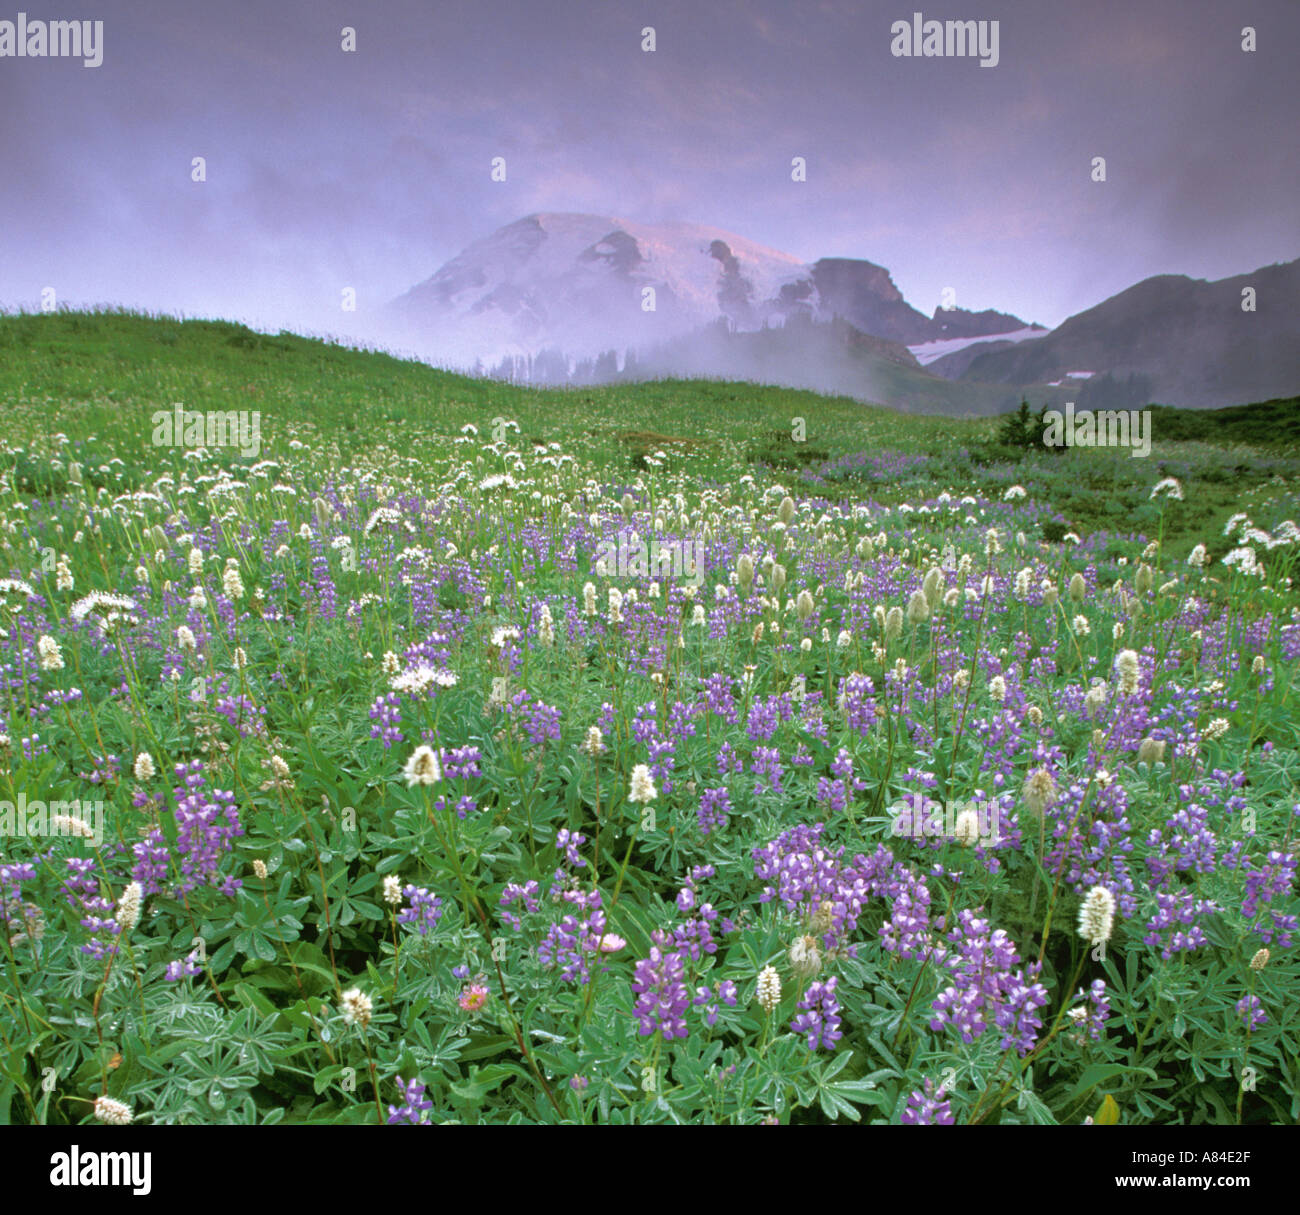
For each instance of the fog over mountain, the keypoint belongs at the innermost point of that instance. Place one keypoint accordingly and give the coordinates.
(585, 284)
(560, 297)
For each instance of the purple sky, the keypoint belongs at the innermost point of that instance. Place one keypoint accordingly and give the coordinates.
(369, 170)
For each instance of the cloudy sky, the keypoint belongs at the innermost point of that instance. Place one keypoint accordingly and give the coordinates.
(370, 169)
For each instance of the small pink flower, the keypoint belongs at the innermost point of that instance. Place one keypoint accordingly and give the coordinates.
(473, 997)
(611, 942)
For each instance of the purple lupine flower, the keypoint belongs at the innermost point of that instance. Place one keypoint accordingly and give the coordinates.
(1178, 907)
(715, 806)
(415, 1104)
(662, 998)
(1251, 1012)
(1275, 877)
(722, 992)
(693, 937)
(12, 877)
(151, 857)
(462, 763)
(831, 795)
(514, 893)
(728, 761)
(927, 1108)
(766, 762)
(645, 724)
(186, 968)
(386, 713)
(568, 842)
(81, 883)
(680, 720)
(717, 697)
(425, 910)
(698, 874)
(207, 822)
(984, 982)
(543, 724)
(1279, 929)
(243, 715)
(571, 943)
(763, 720)
(857, 698)
(105, 768)
(820, 1015)
(1091, 1017)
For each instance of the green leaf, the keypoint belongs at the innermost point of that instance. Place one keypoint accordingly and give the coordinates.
(1099, 1073)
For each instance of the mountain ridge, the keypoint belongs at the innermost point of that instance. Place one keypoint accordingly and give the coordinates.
(561, 292)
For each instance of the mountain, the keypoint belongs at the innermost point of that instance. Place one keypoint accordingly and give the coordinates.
(1170, 340)
(584, 284)
(559, 297)
(864, 294)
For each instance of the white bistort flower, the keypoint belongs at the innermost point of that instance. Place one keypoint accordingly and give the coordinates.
(112, 1111)
(422, 768)
(1097, 916)
(643, 787)
(357, 1007)
(966, 829)
(231, 582)
(1216, 729)
(50, 655)
(128, 907)
(1126, 663)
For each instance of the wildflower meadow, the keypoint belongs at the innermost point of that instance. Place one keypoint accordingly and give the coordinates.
(470, 754)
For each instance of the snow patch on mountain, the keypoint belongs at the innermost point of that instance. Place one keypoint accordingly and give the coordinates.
(927, 352)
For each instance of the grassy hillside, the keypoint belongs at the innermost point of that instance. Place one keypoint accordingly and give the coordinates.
(109, 367)
(98, 377)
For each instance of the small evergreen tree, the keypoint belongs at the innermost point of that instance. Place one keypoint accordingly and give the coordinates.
(1023, 429)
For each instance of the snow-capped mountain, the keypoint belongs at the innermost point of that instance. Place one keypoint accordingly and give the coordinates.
(583, 284)
(574, 298)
